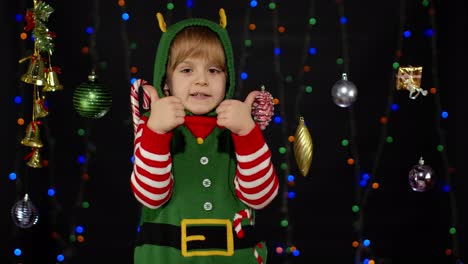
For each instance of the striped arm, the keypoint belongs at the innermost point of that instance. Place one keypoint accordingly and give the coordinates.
(151, 178)
(256, 181)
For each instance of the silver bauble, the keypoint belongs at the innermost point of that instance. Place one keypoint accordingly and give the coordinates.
(344, 92)
(24, 213)
(421, 177)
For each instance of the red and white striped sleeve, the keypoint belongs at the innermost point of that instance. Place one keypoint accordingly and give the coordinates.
(151, 178)
(256, 180)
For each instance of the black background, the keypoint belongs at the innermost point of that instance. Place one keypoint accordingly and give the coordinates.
(403, 225)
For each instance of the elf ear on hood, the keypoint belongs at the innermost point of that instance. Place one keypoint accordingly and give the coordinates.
(168, 35)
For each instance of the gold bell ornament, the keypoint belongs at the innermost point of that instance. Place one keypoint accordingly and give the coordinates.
(303, 147)
(32, 138)
(35, 159)
(35, 73)
(40, 110)
(52, 83)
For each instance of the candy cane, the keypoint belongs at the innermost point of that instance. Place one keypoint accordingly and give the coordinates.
(257, 256)
(238, 219)
(135, 101)
(240, 233)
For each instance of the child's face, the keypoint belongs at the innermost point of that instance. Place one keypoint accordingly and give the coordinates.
(200, 85)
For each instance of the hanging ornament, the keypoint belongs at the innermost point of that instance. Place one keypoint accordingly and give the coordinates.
(344, 92)
(52, 81)
(303, 147)
(263, 108)
(24, 213)
(91, 99)
(35, 73)
(421, 177)
(34, 159)
(39, 108)
(409, 78)
(32, 137)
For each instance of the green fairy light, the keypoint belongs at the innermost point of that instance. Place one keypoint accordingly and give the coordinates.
(85, 205)
(282, 150)
(344, 142)
(284, 166)
(284, 223)
(312, 21)
(355, 208)
(80, 132)
(452, 231)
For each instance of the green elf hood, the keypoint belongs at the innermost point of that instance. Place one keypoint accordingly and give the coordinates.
(168, 36)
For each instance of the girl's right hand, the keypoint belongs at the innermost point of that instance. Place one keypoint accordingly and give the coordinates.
(166, 113)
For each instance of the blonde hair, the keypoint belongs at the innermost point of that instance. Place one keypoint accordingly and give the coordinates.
(195, 42)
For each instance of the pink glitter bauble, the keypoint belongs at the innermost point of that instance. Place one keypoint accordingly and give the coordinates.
(263, 108)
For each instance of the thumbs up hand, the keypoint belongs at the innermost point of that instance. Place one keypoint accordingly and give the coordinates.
(236, 115)
(166, 113)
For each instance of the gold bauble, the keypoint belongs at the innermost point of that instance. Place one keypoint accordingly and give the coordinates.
(303, 147)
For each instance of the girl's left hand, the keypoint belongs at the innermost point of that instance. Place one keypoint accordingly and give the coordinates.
(236, 115)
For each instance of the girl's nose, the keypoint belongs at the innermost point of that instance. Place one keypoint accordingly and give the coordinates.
(202, 79)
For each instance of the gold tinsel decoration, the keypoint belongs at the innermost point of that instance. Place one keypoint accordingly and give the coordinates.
(303, 147)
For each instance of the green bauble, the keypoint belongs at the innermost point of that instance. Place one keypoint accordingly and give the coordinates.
(91, 99)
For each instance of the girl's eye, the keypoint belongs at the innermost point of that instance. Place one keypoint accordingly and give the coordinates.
(214, 70)
(186, 70)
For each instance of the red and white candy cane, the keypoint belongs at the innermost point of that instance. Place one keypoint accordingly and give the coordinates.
(238, 219)
(240, 233)
(257, 256)
(135, 101)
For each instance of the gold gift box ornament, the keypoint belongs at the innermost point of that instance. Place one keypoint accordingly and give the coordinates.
(409, 78)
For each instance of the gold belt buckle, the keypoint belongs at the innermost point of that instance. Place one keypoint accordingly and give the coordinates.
(184, 238)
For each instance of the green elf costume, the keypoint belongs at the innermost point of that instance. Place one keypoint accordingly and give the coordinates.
(200, 183)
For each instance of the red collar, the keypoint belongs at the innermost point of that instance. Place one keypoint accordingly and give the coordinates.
(200, 126)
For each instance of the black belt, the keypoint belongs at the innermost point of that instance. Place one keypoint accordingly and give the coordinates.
(215, 236)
